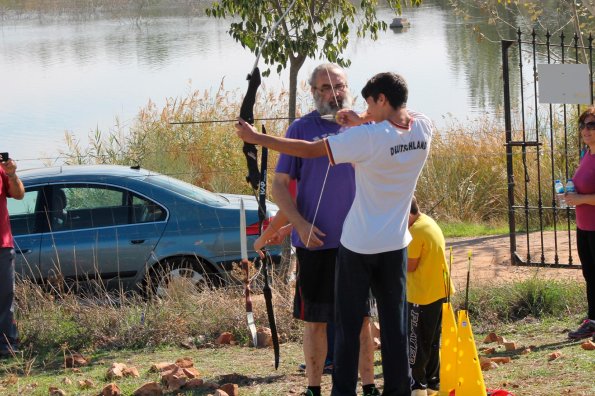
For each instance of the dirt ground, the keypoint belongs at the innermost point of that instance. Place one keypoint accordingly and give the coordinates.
(491, 261)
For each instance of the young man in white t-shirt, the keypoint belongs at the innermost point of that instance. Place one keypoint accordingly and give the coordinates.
(388, 157)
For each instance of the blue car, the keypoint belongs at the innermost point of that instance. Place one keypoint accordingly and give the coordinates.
(126, 229)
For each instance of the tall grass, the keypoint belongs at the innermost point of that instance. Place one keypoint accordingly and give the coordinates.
(465, 176)
(534, 297)
(50, 321)
(466, 169)
(53, 322)
(205, 154)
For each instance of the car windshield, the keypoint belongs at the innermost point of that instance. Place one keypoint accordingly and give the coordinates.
(188, 190)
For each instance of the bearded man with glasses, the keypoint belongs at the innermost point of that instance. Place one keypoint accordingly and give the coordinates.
(324, 196)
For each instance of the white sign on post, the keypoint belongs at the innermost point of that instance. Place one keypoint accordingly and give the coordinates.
(564, 84)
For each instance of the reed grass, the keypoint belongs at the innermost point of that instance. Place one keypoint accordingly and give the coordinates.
(464, 179)
(50, 320)
(206, 154)
(534, 297)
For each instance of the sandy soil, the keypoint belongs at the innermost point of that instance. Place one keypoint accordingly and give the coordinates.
(491, 261)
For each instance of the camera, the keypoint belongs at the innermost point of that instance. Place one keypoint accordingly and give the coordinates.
(4, 157)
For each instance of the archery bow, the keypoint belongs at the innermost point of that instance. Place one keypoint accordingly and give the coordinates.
(256, 180)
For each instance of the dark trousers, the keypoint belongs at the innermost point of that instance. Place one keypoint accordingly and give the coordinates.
(585, 241)
(330, 341)
(8, 328)
(385, 274)
(425, 325)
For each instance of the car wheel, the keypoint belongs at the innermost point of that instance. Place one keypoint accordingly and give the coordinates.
(177, 276)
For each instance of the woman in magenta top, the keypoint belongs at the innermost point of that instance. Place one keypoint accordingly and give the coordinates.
(584, 200)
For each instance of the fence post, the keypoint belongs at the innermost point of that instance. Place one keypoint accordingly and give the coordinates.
(508, 129)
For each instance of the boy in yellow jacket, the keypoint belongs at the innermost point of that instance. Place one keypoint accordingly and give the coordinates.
(427, 287)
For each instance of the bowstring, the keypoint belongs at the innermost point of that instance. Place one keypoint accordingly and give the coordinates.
(328, 168)
(329, 164)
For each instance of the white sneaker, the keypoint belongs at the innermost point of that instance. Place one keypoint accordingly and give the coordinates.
(419, 392)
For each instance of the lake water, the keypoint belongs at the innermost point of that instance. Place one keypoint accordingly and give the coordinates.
(79, 76)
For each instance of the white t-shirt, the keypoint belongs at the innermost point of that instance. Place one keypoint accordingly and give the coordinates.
(387, 162)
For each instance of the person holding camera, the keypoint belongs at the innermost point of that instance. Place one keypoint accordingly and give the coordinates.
(10, 187)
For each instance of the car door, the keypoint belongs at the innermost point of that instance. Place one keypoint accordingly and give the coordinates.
(99, 232)
(26, 223)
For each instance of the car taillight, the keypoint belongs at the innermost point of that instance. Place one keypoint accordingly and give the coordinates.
(252, 229)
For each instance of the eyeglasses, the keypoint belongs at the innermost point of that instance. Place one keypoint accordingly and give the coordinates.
(326, 88)
(589, 125)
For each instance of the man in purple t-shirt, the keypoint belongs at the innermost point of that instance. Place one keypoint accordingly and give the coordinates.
(10, 186)
(324, 197)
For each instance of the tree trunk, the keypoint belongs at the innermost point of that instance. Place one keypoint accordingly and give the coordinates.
(295, 64)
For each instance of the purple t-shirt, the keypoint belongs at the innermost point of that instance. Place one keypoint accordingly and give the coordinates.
(339, 190)
(584, 182)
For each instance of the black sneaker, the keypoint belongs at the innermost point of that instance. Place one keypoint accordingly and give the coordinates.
(328, 367)
(374, 392)
(585, 330)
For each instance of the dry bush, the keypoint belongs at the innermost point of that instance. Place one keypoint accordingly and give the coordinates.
(207, 154)
(465, 173)
(533, 297)
(51, 320)
(465, 176)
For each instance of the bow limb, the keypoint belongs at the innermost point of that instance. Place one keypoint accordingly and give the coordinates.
(246, 268)
(247, 114)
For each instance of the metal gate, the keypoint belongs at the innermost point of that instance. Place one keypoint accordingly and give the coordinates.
(542, 145)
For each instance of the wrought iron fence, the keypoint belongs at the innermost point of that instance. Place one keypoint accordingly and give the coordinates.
(542, 145)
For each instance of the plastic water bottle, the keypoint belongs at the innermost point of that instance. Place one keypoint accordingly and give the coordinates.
(559, 187)
(570, 187)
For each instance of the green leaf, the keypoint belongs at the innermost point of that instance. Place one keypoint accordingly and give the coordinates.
(299, 36)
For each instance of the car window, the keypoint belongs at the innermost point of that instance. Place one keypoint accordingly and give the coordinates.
(79, 197)
(75, 207)
(147, 211)
(25, 206)
(188, 190)
(22, 213)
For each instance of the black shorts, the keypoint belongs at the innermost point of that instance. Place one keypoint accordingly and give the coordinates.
(315, 285)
